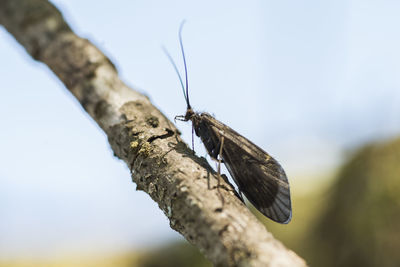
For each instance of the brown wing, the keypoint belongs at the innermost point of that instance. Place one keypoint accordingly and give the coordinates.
(259, 176)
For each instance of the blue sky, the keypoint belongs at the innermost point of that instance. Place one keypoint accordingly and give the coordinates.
(307, 81)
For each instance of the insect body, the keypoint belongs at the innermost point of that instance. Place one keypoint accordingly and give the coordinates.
(258, 175)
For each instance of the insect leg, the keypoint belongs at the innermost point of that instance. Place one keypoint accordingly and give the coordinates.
(241, 195)
(221, 145)
(179, 118)
(218, 156)
(193, 138)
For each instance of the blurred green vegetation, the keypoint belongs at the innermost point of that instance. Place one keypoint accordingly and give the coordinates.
(351, 218)
(360, 225)
(174, 255)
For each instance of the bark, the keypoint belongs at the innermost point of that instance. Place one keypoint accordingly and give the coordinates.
(162, 165)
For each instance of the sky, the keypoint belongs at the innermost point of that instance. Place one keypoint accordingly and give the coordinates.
(307, 81)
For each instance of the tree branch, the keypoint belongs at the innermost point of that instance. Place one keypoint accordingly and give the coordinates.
(182, 184)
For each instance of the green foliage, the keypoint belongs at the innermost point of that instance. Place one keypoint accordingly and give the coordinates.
(360, 225)
(179, 254)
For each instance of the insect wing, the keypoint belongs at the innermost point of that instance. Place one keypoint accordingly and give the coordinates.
(259, 176)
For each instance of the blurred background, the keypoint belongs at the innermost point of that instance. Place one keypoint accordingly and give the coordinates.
(314, 83)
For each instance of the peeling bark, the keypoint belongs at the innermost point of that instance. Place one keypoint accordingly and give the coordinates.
(183, 185)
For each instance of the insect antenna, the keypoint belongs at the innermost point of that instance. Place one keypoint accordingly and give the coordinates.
(186, 77)
(185, 89)
(171, 60)
(184, 64)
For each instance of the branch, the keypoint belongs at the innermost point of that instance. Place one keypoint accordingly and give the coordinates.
(182, 184)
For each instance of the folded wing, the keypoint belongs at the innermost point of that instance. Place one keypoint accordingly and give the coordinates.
(261, 179)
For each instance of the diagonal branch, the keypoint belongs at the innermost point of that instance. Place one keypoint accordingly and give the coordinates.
(162, 165)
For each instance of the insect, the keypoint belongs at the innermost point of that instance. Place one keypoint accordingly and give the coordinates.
(258, 175)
